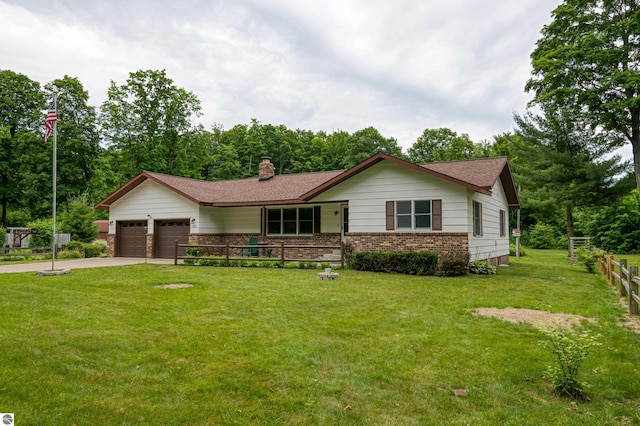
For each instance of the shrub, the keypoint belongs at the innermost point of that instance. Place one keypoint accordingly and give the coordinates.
(71, 254)
(543, 236)
(589, 258)
(12, 258)
(42, 233)
(570, 349)
(512, 250)
(73, 245)
(479, 267)
(91, 250)
(452, 265)
(102, 244)
(410, 263)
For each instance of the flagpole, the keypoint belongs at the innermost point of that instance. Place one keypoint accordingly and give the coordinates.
(55, 154)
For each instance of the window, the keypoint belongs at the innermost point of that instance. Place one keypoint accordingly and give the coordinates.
(477, 218)
(419, 214)
(503, 223)
(413, 214)
(290, 221)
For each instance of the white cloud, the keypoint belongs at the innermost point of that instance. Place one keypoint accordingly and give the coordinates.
(338, 64)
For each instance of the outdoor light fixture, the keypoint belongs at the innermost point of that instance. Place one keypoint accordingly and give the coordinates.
(193, 221)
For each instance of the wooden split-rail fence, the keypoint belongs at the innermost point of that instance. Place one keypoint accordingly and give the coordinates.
(622, 276)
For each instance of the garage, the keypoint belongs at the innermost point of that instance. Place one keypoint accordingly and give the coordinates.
(132, 238)
(167, 232)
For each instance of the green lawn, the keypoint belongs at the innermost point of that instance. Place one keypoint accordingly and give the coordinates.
(272, 346)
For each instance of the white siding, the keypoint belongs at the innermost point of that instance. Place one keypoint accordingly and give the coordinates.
(330, 222)
(368, 191)
(149, 198)
(211, 221)
(490, 244)
(242, 220)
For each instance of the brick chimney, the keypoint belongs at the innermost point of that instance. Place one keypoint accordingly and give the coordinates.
(266, 169)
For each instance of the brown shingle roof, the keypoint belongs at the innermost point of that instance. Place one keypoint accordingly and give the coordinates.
(236, 192)
(482, 172)
(478, 175)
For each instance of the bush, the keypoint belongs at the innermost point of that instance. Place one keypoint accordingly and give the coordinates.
(71, 254)
(77, 217)
(452, 265)
(102, 244)
(12, 258)
(570, 349)
(589, 258)
(542, 236)
(410, 263)
(42, 233)
(512, 250)
(91, 250)
(73, 245)
(479, 267)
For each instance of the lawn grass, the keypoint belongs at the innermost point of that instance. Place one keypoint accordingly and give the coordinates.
(274, 346)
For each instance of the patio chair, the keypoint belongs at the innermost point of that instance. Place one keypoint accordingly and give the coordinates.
(251, 251)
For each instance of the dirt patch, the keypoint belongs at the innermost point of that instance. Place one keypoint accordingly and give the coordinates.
(628, 320)
(175, 285)
(538, 319)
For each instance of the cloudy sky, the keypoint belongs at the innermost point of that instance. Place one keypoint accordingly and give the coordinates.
(400, 66)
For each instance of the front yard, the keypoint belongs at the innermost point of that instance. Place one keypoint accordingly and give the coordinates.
(279, 346)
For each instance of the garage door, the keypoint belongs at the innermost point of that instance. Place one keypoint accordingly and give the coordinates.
(167, 232)
(132, 238)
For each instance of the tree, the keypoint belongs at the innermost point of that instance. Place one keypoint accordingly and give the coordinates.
(367, 142)
(77, 219)
(442, 145)
(78, 139)
(146, 119)
(588, 63)
(570, 166)
(21, 103)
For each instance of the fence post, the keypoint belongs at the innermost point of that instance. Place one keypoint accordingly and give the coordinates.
(633, 290)
(342, 254)
(227, 255)
(602, 262)
(612, 279)
(282, 254)
(623, 277)
(175, 253)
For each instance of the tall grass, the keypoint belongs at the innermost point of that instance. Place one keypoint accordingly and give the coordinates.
(272, 346)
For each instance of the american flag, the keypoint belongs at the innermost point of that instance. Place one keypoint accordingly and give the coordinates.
(52, 117)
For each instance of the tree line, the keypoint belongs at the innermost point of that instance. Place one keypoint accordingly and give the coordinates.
(586, 90)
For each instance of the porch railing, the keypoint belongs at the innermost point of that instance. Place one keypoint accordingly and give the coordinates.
(227, 249)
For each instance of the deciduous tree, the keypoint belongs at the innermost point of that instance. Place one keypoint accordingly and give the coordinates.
(587, 62)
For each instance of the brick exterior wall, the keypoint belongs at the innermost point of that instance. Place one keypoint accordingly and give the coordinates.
(290, 253)
(111, 245)
(440, 242)
(149, 246)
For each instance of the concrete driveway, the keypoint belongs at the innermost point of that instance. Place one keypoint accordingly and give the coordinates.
(94, 262)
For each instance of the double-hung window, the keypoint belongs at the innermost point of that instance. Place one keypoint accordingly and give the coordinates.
(290, 221)
(503, 223)
(413, 214)
(419, 215)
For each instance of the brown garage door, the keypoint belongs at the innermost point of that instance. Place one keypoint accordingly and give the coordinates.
(167, 232)
(132, 238)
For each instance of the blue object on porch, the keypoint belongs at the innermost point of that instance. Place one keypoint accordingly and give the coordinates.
(253, 241)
